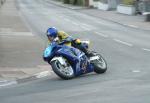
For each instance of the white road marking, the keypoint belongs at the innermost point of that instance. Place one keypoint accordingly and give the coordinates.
(43, 74)
(146, 49)
(2, 81)
(122, 42)
(133, 26)
(136, 71)
(7, 83)
(101, 34)
(125, 24)
(16, 34)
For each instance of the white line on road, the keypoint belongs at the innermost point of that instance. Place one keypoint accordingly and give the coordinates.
(101, 34)
(7, 83)
(133, 26)
(136, 71)
(146, 49)
(4, 83)
(16, 34)
(43, 74)
(122, 42)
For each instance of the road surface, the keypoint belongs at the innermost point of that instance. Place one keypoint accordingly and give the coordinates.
(126, 50)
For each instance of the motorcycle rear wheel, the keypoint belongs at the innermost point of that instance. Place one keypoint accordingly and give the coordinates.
(100, 65)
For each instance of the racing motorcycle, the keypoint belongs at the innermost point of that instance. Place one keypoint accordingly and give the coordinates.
(64, 60)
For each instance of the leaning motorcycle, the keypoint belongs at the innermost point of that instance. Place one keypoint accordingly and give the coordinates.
(64, 60)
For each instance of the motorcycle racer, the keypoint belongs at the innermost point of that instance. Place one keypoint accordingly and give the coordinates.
(59, 36)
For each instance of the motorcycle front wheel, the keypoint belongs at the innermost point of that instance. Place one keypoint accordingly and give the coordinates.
(65, 70)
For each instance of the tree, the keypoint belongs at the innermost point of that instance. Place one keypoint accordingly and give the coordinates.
(75, 2)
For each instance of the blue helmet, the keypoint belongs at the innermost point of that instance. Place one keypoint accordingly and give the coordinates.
(52, 32)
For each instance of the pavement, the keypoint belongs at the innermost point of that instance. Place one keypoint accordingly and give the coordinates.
(132, 21)
(20, 49)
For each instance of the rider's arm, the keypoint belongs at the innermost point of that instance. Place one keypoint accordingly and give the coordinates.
(62, 35)
(64, 38)
(48, 42)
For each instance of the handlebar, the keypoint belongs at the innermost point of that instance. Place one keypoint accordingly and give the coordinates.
(67, 40)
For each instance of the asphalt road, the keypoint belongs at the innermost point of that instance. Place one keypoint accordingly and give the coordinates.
(126, 50)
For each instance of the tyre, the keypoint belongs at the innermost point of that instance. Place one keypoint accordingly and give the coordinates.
(65, 70)
(100, 65)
